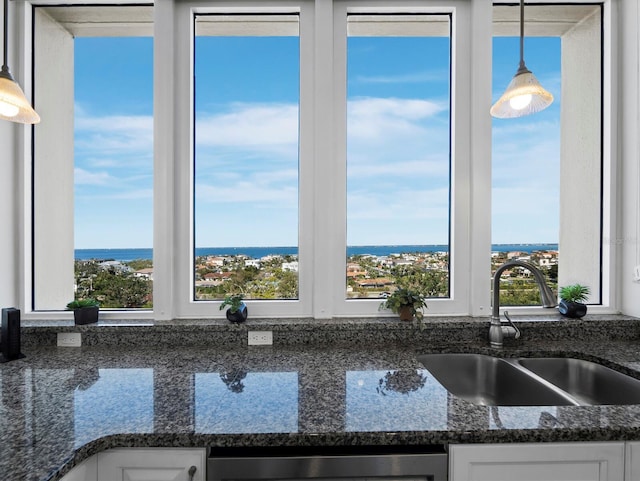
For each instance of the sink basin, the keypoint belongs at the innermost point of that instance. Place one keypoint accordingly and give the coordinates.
(490, 381)
(587, 382)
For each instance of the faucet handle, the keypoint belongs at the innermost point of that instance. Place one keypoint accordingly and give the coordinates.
(516, 334)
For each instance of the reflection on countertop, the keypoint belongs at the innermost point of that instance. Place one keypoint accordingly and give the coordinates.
(60, 405)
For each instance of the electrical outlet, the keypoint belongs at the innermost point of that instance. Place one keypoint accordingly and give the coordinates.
(636, 274)
(260, 338)
(69, 339)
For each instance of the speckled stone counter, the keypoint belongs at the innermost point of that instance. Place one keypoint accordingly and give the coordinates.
(60, 405)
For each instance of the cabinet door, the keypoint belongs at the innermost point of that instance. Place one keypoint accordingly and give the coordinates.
(537, 462)
(85, 471)
(632, 461)
(138, 464)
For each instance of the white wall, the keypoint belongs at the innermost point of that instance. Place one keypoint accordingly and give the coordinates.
(8, 204)
(53, 173)
(580, 153)
(629, 178)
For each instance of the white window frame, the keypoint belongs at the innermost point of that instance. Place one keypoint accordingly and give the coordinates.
(24, 14)
(461, 46)
(322, 182)
(322, 160)
(175, 259)
(610, 299)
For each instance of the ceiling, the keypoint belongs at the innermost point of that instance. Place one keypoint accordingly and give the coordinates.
(95, 21)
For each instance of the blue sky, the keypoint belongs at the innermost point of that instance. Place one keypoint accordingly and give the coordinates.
(113, 142)
(247, 142)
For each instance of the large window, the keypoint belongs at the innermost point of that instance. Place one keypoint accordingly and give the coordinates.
(93, 156)
(547, 168)
(398, 154)
(247, 71)
(314, 156)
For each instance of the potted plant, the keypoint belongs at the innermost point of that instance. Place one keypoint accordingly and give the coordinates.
(85, 311)
(407, 303)
(237, 311)
(572, 300)
(233, 380)
(402, 381)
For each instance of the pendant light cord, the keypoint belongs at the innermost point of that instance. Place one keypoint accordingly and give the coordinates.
(6, 34)
(522, 68)
(521, 32)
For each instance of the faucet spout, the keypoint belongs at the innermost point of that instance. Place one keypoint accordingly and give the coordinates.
(499, 330)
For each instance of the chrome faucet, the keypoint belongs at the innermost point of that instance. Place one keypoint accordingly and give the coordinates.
(498, 329)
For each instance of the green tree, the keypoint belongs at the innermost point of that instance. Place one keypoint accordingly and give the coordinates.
(112, 286)
(139, 264)
(287, 284)
(121, 289)
(430, 283)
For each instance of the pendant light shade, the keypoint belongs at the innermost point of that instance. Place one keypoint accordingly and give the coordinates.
(524, 94)
(13, 104)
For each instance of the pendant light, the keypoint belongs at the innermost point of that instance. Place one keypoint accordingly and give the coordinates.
(524, 95)
(13, 104)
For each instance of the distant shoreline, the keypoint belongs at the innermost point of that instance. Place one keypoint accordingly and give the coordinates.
(126, 255)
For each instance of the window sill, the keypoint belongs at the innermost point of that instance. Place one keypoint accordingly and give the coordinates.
(440, 331)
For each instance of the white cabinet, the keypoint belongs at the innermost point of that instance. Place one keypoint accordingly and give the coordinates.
(539, 462)
(632, 461)
(142, 464)
(85, 471)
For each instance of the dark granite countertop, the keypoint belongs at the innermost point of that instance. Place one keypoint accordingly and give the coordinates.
(59, 406)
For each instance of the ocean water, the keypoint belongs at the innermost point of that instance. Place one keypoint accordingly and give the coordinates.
(125, 255)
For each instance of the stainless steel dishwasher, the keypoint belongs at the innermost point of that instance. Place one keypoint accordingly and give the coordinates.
(346, 463)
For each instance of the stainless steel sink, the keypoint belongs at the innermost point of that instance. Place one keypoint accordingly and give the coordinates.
(587, 382)
(491, 381)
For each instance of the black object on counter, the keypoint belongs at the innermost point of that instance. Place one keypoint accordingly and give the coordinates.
(10, 335)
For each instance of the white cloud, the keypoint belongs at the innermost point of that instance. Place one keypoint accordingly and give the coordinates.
(135, 194)
(403, 204)
(526, 153)
(406, 109)
(250, 126)
(405, 216)
(436, 167)
(526, 172)
(382, 120)
(115, 123)
(84, 177)
(279, 176)
(240, 158)
(541, 222)
(245, 191)
(105, 138)
(418, 77)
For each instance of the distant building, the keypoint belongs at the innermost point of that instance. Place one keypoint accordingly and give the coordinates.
(115, 265)
(215, 261)
(402, 262)
(212, 279)
(377, 282)
(270, 257)
(146, 273)
(355, 270)
(290, 266)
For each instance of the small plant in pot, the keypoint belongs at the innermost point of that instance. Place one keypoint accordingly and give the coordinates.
(237, 311)
(85, 311)
(407, 303)
(572, 300)
(402, 381)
